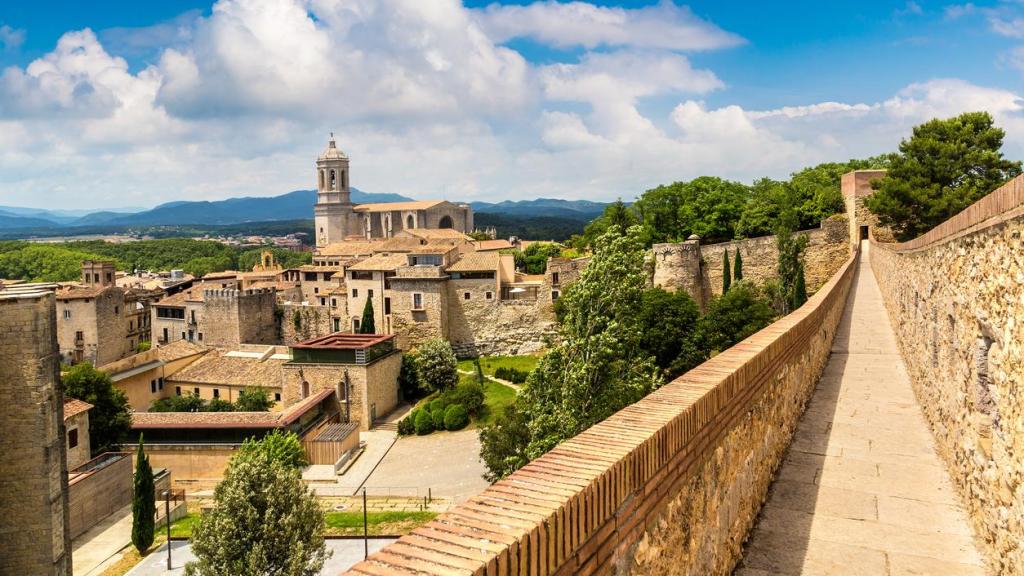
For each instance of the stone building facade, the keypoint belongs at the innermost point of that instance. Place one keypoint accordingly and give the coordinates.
(76, 426)
(224, 317)
(336, 218)
(34, 476)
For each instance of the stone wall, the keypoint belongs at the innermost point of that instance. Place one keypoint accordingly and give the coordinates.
(956, 299)
(671, 484)
(314, 321)
(95, 494)
(33, 477)
(698, 269)
(231, 317)
(478, 325)
(196, 467)
(413, 326)
(373, 387)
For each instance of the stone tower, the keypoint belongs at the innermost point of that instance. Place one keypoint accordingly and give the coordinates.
(333, 215)
(677, 267)
(34, 475)
(98, 273)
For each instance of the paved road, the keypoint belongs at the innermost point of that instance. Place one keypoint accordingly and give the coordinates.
(447, 462)
(92, 550)
(861, 490)
(346, 554)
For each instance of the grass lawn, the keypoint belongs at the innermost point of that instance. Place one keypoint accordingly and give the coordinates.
(496, 397)
(492, 363)
(341, 523)
(377, 523)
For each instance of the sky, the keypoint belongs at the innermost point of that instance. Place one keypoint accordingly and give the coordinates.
(117, 103)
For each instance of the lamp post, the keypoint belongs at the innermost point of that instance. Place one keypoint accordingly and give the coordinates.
(366, 533)
(167, 518)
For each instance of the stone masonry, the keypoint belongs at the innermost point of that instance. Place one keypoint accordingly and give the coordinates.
(33, 478)
(956, 299)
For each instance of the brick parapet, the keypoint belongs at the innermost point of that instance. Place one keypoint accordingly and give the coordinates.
(609, 499)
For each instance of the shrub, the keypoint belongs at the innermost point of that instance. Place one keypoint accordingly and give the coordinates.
(437, 366)
(424, 423)
(437, 405)
(437, 417)
(283, 447)
(406, 426)
(409, 378)
(455, 417)
(469, 394)
(513, 375)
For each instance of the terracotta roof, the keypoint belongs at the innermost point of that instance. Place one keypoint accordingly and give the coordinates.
(223, 274)
(476, 261)
(399, 244)
(382, 262)
(77, 292)
(393, 206)
(349, 248)
(179, 349)
(343, 341)
(218, 367)
(312, 268)
(492, 244)
(431, 233)
(149, 420)
(193, 294)
(74, 407)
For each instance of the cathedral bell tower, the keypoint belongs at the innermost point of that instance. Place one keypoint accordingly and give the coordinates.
(332, 214)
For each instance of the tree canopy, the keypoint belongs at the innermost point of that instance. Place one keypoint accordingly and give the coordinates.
(109, 420)
(944, 167)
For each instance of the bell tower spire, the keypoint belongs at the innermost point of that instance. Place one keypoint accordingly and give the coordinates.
(333, 210)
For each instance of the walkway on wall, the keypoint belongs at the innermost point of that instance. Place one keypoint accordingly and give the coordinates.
(862, 490)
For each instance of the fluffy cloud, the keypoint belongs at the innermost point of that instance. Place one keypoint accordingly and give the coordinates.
(426, 100)
(664, 26)
(11, 38)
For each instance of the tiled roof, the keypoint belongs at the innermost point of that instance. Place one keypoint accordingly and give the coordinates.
(492, 244)
(343, 341)
(193, 294)
(475, 262)
(77, 292)
(219, 367)
(399, 244)
(431, 233)
(381, 262)
(223, 274)
(349, 248)
(74, 407)
(144, 420)
(179, 349)
(392, 206)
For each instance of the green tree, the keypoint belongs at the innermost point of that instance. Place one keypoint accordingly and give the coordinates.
(790, 266)
(503, 444)
(737, 271)
(184, 403)
(707, 206)
(667, 320)
(726, 272)
(535, 257)
(265, 521)
(217, 405)
(799, 289)
(143, 502)
(616, 214)
(204, 265)
(109, 420)
(598, 365)
(436, 365)
(730, 318)
(409, 378)
(944, 167)
(366, 325)
(279, 446)
(255, 399)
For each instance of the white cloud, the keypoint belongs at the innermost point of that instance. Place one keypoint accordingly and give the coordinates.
(11, 38)
(664, 26)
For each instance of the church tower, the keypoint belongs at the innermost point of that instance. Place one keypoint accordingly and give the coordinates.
(333, 211)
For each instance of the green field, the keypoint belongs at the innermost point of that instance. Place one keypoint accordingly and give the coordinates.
(496, 397)
(340, 523)
(492, 363)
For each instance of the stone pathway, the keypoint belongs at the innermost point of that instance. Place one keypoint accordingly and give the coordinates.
(101, 545)
(862, 490)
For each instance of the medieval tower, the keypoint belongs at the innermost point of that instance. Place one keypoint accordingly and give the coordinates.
(333, 215)
(34, 476)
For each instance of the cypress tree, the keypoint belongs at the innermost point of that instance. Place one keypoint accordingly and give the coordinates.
(737, 269)
(366, 323)
(143, 502)
(800, 290)
(726, 279)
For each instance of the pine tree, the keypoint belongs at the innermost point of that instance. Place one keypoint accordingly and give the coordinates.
(726, 278)
(737, 270)
(143, 502)
(366, 325)
(800, 290)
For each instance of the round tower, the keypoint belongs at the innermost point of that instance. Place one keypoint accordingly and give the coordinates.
(333, 210)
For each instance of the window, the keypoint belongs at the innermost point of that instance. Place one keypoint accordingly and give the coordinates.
(465, 296)
(410, 222)
(355, 292)
(323, 301)
(472, 275)
(355, 324)
(426, 260)
(152, 386)
(175, 313)
(216, 392)
(309, 276)
(334, 302)
(73, 438)
(165, 334)
(489, 295)
(334, 180)
(337, 324)
(369, 293)
(554, 294)
(117, 309)
(196, 391)
(182, 335)
(361, 275)
(417, 301)
(277, 396)
(554, 278)
(316, 290)
(67, 314)
(200, 336)
(177, 390)
(305, 389)
(131, 325)
(387, 305)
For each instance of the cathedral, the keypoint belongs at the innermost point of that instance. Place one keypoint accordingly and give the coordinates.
(338, 219)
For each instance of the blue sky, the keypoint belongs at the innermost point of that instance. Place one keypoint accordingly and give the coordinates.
(139, 103)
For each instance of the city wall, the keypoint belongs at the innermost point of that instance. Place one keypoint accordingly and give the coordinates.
(698, 269)
(313, 322)
(671, 484)
(956, 299)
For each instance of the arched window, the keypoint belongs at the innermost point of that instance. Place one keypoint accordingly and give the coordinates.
(446, 222)
(344, 179)
(305, 389)
(321, 179)
(410, 222)
(334, 180)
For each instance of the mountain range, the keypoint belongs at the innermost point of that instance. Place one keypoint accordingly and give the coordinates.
(296, 205)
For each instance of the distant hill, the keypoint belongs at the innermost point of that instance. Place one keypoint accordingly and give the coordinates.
(9, 220)
(553, 207)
